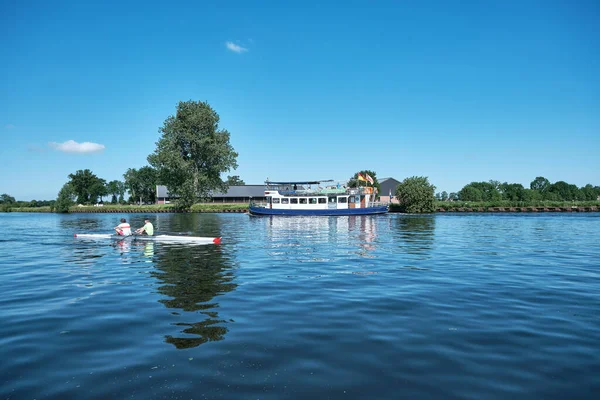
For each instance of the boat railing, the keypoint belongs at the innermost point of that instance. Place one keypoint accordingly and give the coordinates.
(379, 204)
(324, 192)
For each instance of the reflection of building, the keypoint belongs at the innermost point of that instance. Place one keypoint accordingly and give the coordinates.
(388, 189)
(235, 194)
(301, 225)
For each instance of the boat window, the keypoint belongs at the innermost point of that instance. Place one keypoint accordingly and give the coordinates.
(302, 200)
(351, 199)
(332, 199)
(342, 199)
(285, 201)
(312, 200)
(293, 201)
(275, 201)
(322, 200)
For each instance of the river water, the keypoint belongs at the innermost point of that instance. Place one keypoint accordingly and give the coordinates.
(468, 306)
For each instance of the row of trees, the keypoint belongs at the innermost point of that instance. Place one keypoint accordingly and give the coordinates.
(7, 202)
(84, 187)
(539, 189)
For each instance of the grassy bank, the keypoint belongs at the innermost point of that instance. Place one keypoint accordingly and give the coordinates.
(149, 208)
(44, 209)
(448, 205)
(516, 206)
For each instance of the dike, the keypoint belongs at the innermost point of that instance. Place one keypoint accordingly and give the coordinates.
(519, 209)
(147, 211)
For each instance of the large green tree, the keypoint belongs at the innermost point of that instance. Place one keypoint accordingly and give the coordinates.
(65, 199)
(98, 190)
(489, 191)
(192, 153)
(6, 199)
(590, 192)
(87, 186)
(470, 193)
(540, 184)
(564, 191)
(116, 189)
(512, 191)
(416, 195)
(7, 202)
(142, 184)
(234, 181)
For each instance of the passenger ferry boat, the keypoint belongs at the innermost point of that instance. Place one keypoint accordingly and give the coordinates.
(294, 198)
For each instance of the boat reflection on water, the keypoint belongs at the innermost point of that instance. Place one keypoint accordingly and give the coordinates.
(122, 245)
(344, 234)
(149, 250)
(367, 231)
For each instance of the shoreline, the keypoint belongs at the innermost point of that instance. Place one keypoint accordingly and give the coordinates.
(519, 209)
(242, 210)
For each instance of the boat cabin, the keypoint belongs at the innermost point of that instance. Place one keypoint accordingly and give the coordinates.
(303, 196)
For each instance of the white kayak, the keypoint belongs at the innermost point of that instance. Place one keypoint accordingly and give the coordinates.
(157, 238)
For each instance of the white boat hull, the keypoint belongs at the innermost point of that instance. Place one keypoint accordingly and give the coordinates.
(157, 238)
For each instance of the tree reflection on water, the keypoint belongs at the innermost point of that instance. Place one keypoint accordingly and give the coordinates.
(415, 233)
(192, 277)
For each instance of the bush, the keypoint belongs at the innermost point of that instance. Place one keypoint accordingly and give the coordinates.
(416, 195)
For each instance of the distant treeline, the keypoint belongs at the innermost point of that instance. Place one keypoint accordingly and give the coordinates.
(540, 189)
(8, 202)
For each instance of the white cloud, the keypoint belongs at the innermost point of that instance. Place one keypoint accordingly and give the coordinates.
(235, 48)
(71, 146)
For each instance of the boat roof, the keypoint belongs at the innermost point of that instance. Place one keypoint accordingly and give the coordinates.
(298, 182)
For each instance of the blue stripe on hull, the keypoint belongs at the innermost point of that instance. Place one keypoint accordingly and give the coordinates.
(348, 211)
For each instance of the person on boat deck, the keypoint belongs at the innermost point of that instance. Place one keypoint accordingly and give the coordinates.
(123, 228)
(147, 229)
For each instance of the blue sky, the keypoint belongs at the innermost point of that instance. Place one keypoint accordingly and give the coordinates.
(457, 91)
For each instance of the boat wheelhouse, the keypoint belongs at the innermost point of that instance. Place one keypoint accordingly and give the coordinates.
(301, 198)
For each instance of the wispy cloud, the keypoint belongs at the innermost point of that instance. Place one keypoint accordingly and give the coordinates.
(9, 126)
(236, 48)
(71, 146)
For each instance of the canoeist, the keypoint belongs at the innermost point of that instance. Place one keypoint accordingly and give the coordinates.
(123, 228)
(147, 229)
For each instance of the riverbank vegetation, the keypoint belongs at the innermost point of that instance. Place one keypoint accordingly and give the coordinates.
(135, 208)
(415, 195)
(540, 189)
(486, 205)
